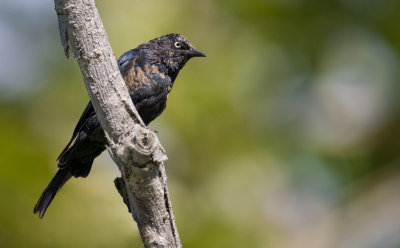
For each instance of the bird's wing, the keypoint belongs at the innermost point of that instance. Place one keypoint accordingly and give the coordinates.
(89, 110)
(123, 63)
(126, 59)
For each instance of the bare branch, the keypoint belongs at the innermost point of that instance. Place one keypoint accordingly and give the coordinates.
(135, 148)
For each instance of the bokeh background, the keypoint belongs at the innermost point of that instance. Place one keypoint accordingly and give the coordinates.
(286, 135)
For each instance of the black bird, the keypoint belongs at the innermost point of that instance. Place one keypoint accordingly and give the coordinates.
(149, 72)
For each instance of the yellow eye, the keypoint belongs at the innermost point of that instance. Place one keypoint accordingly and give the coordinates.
(178, 44)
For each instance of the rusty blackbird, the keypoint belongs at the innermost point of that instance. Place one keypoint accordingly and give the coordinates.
(149, 72)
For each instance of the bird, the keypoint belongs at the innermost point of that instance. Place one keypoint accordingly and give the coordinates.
(149, 72)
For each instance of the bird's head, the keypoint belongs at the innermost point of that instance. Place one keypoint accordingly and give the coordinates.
(173, 51)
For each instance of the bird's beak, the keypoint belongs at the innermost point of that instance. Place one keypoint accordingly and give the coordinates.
(196, 53)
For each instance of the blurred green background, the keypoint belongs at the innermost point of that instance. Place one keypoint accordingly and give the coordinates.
(286, 135)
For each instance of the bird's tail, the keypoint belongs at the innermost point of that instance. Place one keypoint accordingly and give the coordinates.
(48, 194)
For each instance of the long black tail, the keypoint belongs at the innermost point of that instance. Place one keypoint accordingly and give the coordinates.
(48, 194)
(75, 160)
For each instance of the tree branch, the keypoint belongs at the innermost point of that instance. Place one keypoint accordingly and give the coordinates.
(135, 148)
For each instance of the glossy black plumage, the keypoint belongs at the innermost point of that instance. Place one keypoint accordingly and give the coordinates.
(149, 72)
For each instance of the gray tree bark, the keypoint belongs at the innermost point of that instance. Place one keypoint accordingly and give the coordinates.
(135, 148)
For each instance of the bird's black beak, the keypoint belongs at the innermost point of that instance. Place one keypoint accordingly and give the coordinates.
(196, 53)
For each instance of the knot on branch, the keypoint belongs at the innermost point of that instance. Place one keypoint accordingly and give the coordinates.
(140, 148)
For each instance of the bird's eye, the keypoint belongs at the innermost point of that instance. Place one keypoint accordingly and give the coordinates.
(177, 44)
